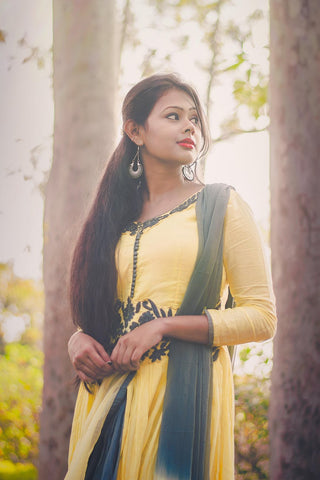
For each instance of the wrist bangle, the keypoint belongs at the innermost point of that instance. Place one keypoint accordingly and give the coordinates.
(210, 327)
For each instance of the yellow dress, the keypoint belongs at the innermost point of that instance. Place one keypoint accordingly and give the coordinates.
(152, 284)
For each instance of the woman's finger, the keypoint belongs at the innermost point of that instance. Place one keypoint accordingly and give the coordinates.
(95, 365)
(89, 372)
(85, 349)
(126, 361)
(136, 358)
(85, 365)
(85, 378)
(101, 352)
(116, 356)
(121, 356)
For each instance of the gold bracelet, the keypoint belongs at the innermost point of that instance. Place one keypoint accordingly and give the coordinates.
(210, 327)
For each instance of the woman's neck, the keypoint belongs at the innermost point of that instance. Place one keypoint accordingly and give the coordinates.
(163, 181)
(166, 190)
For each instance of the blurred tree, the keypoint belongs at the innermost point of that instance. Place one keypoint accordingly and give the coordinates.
(85, 86)
(295, 238)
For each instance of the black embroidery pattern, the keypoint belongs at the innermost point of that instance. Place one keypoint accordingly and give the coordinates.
(133, 227)
(131, 316)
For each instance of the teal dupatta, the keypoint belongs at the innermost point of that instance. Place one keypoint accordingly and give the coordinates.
(183, 452)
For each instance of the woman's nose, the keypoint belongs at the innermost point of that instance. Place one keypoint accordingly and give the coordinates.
(189, 127)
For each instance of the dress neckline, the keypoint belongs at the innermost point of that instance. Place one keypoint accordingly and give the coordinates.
(134, 227)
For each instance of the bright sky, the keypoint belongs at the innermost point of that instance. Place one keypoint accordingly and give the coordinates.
(26, 120)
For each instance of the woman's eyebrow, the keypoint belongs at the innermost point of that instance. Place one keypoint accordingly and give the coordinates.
(179, 108)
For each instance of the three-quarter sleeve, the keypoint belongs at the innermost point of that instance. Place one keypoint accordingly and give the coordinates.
(248, 275)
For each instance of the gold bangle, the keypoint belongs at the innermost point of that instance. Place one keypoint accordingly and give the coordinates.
(210, 327)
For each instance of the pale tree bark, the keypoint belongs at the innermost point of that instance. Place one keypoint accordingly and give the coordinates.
(295, 238)
(85, 87)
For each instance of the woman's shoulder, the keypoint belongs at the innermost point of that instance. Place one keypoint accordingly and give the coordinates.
(237, 205)
(217, 187)
(239, 216)
(235, 199)
(213, 189)
(213, 192)
(237, 208)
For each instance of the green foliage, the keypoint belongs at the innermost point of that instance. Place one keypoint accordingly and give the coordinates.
(21, 374)
(232, 51)
(20, 300)
(20, 400)
(253, 96)
(18, 293)
(251, 427)
(17, 471)
(244, 354)
(239, 61)
(252, 393)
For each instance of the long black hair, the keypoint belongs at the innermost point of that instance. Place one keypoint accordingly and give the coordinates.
(93, 278)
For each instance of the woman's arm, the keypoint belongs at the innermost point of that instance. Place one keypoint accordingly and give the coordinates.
(248, 274)
(130, 347)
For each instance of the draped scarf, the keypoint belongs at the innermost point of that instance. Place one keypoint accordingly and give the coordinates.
(183, 452)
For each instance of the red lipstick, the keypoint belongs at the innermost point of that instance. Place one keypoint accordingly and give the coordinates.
(187, 143)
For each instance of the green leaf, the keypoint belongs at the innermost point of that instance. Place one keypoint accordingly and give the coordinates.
(236, 65)
(244, 354)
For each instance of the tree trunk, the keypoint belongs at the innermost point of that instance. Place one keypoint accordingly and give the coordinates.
(85, 86)
(295, 238)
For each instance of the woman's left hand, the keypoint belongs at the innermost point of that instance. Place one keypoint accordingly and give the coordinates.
(130, 347)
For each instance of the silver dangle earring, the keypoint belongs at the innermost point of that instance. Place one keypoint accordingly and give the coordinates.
(188, 172)
(136, 167)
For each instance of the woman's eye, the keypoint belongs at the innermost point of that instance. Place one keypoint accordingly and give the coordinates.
(173, 116)
(195, 120)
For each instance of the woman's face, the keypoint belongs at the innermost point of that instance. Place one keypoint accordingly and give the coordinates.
(172, 132)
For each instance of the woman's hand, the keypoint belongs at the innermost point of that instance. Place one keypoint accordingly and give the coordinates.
(130, 347)
(88, 357)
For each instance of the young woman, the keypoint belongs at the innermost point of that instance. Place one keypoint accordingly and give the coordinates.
(149, 282)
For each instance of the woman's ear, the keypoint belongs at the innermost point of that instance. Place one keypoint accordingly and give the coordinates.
(133, 130)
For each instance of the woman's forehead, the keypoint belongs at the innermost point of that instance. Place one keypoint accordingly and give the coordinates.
(174, 98)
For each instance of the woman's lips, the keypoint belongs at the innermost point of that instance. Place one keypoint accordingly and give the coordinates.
(187, 143)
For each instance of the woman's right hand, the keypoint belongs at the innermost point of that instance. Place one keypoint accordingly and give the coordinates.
(88, 358)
